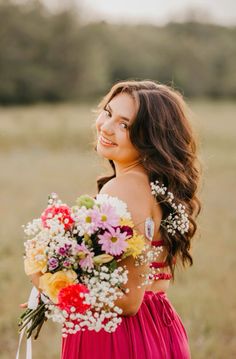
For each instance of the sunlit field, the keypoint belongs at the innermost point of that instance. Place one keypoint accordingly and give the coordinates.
(46, 148)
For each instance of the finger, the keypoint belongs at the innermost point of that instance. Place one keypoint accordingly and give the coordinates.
(23, 305)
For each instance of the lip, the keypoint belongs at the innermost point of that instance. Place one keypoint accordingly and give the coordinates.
(106, 142)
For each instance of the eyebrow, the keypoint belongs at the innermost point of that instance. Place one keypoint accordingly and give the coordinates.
(123, 117)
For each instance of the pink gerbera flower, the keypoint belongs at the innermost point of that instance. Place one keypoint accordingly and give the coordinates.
(89, 220)
(108, 216)
(113, 242)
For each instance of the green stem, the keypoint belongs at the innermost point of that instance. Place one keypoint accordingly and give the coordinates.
(32, 316)
(34, 325)
(26, 316)
(26, 312)
(39, 328)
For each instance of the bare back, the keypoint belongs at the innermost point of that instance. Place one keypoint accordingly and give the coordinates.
(133, 187)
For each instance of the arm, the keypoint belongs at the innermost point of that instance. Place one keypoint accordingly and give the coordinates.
(34, 278)
(132, 190)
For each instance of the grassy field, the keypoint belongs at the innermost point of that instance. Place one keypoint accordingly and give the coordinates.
(49, 148)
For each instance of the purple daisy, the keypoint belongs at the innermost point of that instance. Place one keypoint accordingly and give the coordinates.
(113, 242)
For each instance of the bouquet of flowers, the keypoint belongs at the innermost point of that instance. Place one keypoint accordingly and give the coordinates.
(77, 251)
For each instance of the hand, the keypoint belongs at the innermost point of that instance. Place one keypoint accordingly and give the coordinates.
(23, 305)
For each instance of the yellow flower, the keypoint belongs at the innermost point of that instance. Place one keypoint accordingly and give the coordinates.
(35, 260)
(51, 284)
(102, 258)
(135, 245)
(34, 266)
(126, 222)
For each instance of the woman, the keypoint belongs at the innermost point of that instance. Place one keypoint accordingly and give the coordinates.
(143, 131)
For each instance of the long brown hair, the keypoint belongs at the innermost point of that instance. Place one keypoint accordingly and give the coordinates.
(162, 134)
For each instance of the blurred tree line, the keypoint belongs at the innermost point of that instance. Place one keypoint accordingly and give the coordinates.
(54, 56)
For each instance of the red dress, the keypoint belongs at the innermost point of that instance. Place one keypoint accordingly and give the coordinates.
(155, 332)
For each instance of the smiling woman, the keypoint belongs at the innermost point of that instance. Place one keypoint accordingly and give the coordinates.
(112, 129)
(143, 131)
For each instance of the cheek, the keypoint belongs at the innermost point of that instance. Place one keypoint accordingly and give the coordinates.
(128, 146)
(99, 122)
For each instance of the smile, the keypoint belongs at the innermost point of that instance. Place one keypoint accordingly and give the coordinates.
(104, 141)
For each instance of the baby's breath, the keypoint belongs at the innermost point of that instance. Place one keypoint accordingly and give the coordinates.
(103, 292)
(176, 220)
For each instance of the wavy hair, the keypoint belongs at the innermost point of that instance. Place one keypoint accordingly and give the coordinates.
(162, 134)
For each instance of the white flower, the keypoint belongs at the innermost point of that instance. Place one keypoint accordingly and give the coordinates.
(33, 227)
(120, 206)
(178, 219)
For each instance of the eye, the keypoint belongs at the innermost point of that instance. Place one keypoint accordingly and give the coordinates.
(124, 125)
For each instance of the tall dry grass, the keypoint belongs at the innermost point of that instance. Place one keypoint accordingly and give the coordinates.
(49, 148)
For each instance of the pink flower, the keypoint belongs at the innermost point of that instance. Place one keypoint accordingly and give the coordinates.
(87, 261)
(108, 217)
(113, 242)
(92, 220)
(63, 213)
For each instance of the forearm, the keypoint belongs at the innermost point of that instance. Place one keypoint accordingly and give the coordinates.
(34, 278)
(130, 302)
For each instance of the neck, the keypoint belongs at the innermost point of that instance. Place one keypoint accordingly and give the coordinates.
(134, 166)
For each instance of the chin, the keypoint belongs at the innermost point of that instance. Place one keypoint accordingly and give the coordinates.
(103, 153)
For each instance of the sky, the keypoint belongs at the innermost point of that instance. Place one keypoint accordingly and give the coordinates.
(155, 11)
(161, 11)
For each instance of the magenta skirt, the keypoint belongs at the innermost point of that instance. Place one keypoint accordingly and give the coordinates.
(155, 332)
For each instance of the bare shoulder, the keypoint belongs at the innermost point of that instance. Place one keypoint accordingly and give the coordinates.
(128, 186)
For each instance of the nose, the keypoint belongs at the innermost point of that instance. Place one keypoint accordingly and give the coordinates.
(107, 127)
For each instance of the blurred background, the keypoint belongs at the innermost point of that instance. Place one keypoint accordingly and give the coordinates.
(57, 60)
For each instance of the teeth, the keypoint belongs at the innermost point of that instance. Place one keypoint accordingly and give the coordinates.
(106, 141)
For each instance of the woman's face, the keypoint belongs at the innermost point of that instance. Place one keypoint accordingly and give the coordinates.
(112, 125)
